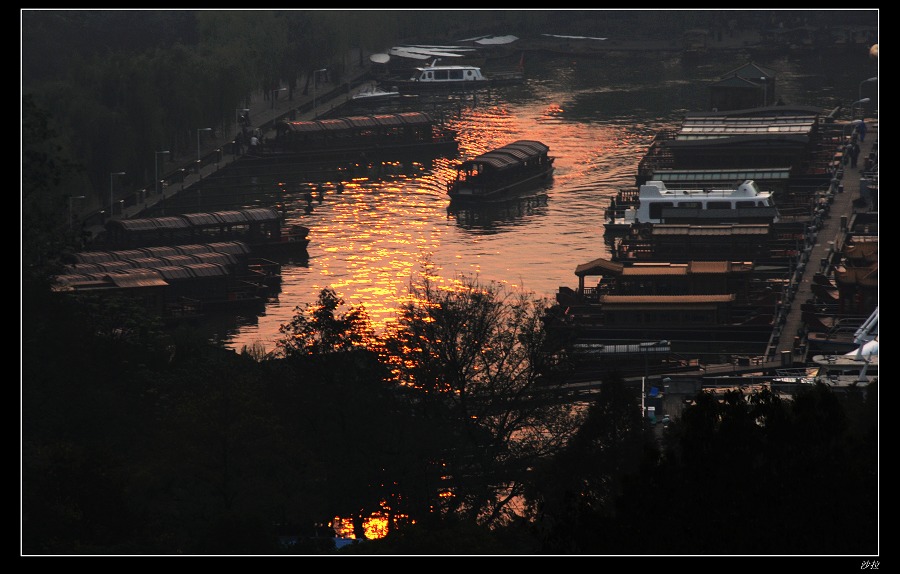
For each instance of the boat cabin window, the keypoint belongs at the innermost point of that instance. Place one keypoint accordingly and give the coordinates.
(456, 74)
(747, 204)
(427, 76)
(656, 208)
(470, 74)
(441, 74)
(691, 205)
(718, 205)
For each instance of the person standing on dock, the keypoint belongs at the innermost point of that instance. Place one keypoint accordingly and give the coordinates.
(853, 152)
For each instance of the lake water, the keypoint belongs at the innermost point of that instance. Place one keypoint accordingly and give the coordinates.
(597, 115)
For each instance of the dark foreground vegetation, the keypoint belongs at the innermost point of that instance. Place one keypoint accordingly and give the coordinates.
(137, 441)
(141, 440)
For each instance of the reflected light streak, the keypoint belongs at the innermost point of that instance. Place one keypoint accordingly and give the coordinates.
(375, 526)
(369, 240)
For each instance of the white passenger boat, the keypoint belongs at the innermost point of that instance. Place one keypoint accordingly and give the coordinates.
(655, 203)
(452, 77)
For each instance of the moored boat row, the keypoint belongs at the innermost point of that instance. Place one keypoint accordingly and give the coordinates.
(379, 137)
(677, 237)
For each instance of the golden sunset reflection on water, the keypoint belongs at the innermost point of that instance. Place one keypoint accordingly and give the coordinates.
(370, 240)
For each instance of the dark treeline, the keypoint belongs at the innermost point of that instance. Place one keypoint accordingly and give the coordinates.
(142, 440)
(138, 441)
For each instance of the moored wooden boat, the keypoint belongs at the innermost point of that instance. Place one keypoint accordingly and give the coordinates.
(370, 137)
(262, 228)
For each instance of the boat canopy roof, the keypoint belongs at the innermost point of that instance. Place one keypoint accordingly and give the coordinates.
(136, 278)
(233, 247)
(600, 266)
(195, 270)
(667, 299)
(699, 126)
(497, 40)
(719, 175)
(189, 220)
(508, 155)
(435, 66)
(162, 251)
(655, 189)
(603, 266)
(219, 258)
(356, 122)
(718, 229)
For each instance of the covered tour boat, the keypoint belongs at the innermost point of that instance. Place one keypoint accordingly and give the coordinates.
(503, 172)
(373, 137)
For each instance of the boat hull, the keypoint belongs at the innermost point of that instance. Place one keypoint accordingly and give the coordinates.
(460, 193)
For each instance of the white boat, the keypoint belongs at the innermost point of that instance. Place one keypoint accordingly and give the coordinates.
(655, 203)
(452, 77)
(374, 94)
(855, 367)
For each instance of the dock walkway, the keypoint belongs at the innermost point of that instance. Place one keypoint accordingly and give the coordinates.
(822, 252)
(217, 152)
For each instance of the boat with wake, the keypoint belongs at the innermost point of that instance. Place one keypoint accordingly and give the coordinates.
(502, 173)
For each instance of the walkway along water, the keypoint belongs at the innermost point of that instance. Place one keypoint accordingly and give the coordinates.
(216, 153)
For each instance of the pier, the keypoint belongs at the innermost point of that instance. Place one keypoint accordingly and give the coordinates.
(218, 152)
(821, 253)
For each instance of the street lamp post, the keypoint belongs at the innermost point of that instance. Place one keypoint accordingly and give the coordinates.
(239, 113)
(70, 208)
(315, 78)
(854, 123)
(198, 143)
(156, 173)
(111, 176)
(872, 79)
(853, 105)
